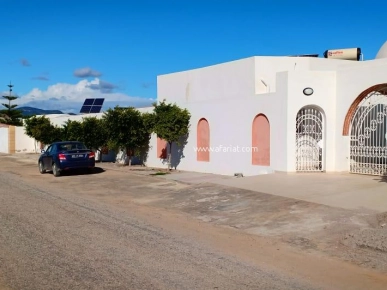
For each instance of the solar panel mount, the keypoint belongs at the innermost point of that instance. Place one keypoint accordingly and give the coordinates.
(92, 106)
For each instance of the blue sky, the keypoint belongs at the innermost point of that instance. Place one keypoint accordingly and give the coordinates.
(58, 52)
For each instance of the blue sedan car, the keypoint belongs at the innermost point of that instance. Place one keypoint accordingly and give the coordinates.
(66, 155)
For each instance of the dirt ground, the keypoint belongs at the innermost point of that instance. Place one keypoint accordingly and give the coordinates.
(357, 236)
(248, 224)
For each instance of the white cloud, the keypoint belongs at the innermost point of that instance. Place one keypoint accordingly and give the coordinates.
(69, 97)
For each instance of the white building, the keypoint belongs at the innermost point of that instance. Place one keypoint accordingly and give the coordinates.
(337, 124)
(264, 114)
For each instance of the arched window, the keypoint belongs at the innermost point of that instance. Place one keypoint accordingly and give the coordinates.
(203, 141)
(261, 141)
(161, 148)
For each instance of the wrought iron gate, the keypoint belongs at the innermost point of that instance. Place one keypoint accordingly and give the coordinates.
(368, 151)
(309, 139)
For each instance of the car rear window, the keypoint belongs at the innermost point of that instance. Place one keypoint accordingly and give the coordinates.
(71, 146)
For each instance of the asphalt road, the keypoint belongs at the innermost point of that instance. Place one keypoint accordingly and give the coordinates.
(50, 240)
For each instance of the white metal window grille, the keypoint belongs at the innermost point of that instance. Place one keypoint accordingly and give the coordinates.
(309, 138)
(368, 151)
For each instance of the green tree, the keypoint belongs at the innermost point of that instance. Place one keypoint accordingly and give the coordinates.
(149, 121)
(126, 130)
(94, 133)
(171, 123)
(72, 131)
(41, 129)
(11, 115)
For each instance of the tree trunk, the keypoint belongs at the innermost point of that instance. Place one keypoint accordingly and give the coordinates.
(122, 157)
(170, 156)
(129, 154)
(99, 155)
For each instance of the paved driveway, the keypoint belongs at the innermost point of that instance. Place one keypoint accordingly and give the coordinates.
(345, 190)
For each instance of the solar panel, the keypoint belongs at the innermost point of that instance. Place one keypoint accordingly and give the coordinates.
(98, 102)
(85, 109)
(95, 109)
(92, 106)
(88, 102)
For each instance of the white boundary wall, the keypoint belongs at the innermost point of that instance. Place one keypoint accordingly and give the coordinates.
(4, 139)
(23, 143)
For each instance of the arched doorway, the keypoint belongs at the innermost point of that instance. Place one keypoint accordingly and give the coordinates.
(368, 133)
(203, 141)
(260, 147)
(309, 140)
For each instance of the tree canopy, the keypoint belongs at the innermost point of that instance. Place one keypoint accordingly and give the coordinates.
(72, 131)
(10, 115)
(41, 129)
(170, 122)
(94, 133)
(126, 129)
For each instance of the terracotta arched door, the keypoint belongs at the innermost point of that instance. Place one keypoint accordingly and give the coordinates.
(162, 148)
(203, 141)
(261, 141)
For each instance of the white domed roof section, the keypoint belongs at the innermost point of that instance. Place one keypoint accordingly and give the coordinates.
(382, 51)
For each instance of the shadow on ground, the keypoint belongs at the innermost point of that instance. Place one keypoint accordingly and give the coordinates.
(97, 170)
(382, 179)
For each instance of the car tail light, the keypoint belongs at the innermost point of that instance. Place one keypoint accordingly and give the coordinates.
(62, 156)
(91, 155)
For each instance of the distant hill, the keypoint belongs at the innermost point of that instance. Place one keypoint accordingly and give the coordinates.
(30, 111)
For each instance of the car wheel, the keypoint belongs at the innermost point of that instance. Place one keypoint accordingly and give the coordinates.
(55, 170)
(41, 167)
